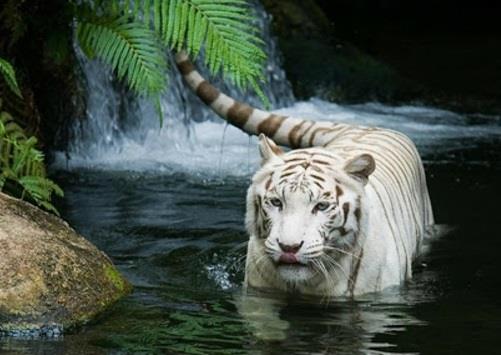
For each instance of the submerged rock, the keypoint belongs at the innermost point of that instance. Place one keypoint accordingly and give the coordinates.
(51, 278)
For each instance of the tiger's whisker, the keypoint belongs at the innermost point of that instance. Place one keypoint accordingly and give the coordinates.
(341, 251)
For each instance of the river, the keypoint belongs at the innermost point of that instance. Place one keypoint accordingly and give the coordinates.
(167, 205)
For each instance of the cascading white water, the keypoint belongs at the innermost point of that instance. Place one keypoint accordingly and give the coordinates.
(123, 133)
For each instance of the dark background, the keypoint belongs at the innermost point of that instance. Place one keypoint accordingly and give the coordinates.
(450, 45)
(445, 53)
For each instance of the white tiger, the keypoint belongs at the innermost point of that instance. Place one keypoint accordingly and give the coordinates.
(343, 214)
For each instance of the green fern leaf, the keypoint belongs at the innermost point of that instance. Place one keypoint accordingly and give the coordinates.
(146, 12)
(157, 15)
(137, 8)
(224, 28)
(9, 76)
(158, 109)
(23, 165)
(131, 49)
(40, 189)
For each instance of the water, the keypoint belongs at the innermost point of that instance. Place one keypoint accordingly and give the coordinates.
(168, 207)
(120, 128)
(215, 149)
(178, 237)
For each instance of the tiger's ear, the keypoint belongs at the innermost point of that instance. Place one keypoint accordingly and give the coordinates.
(361, 167)
(268, 149)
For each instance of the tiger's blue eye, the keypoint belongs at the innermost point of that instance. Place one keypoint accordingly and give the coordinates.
(321, 206)
(276, 202)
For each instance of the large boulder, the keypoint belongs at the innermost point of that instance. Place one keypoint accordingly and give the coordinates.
(51, 278)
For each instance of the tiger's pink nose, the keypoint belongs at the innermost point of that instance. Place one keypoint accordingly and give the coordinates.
(294, 248)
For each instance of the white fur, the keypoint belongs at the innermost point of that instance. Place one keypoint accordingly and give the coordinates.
(384, 244)
(222, 104)
(255, 118)
(194, 79)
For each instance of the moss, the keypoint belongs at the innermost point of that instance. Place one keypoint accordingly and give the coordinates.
(115, 278)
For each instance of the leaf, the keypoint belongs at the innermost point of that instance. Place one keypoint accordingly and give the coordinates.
(23, 164)
(132, 50)
(9, 76)
(40, 189)
(133, 43)
(224, 28)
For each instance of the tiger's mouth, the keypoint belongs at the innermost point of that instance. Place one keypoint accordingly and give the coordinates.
(288, 259)
(292, 260)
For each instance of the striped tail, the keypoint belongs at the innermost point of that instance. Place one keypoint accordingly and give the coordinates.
(284, 130)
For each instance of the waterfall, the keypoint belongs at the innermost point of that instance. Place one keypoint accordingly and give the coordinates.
(122, 132)
(120, 129)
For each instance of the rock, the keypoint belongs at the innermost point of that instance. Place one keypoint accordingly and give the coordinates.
(297, 17)
(318, 63)
(51, 278)
(339, 73)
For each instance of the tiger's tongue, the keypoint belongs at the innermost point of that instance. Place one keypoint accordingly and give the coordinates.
(288, 258)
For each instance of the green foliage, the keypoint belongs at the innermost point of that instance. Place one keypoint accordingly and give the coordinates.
(9, 75)
(131, 36)
(222, 29)
(22, 165)
(130, 48)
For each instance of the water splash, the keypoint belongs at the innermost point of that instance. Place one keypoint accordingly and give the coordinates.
(219, 274)
(438, 133)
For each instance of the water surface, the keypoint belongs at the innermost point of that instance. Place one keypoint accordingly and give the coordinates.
(174, 226)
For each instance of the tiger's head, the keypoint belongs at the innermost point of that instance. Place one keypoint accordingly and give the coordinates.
(304, 209)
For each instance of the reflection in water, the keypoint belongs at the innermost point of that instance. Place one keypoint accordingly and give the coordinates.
(343, 326)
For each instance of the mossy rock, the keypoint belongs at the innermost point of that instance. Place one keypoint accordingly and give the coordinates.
(51, 278)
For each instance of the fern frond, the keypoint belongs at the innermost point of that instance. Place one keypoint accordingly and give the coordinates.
(224, 28)
(40, 190)
(128, 35)
(22, 164)
(9, 75)
(131, 49)
(18, 155)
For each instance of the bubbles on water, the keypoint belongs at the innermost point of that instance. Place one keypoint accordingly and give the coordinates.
(226, 269)
(426, 125)
(218, 273)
